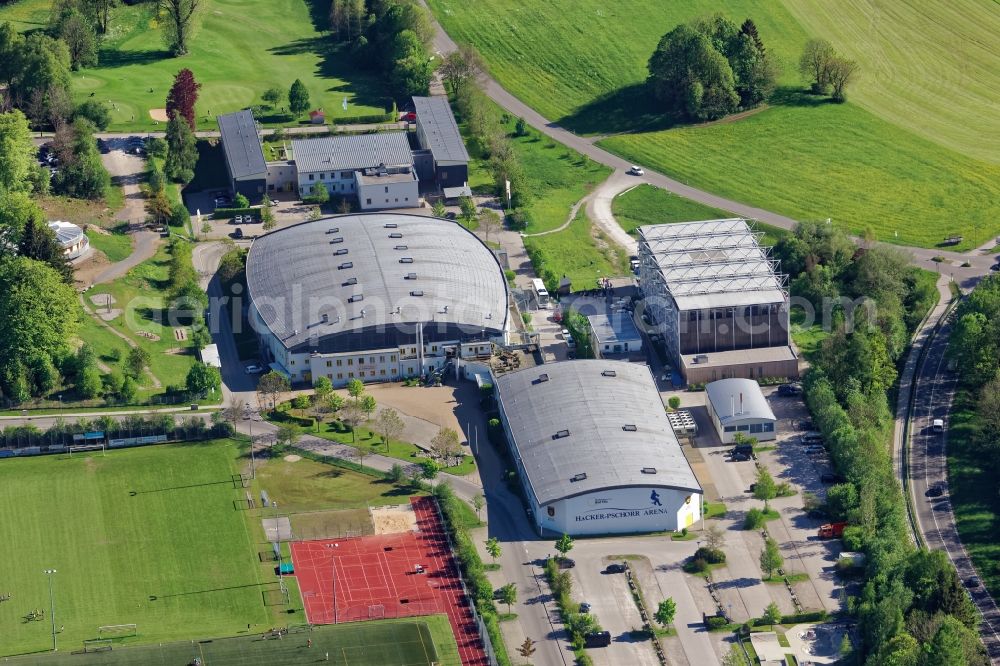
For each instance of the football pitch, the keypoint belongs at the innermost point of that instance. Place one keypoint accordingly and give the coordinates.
(396, 642)
(144, 536)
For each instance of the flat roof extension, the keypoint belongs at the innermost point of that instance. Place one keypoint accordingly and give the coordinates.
(350, 152)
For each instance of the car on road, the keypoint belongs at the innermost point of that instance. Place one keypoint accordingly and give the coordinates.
(937, 425)
(636, 171)
(584, 607)
(935, 490)
(972, 581)
(615, 567)
(809, 438)
(790, 389)
(253, 369)
(565, 563)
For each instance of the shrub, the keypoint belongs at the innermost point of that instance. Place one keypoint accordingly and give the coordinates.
(696, 565)
(716, 622)
(156, 147)
(518, 219)
(710, 555)
(674, 402)
(510, 275)
(853, 538)
(754, 520)
(300, 402)
(240, 201)
(230, 213)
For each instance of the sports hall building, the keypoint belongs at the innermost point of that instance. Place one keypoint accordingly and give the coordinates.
(378, 297)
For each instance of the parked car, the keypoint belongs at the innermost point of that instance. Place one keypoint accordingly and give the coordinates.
(253, 369)
(636, 171)
(936, 490)
(615, 567)
(584, 607)
(597, 639)
(790, 389)
(740, 457)
(565, 563)
(937, 425)
(972, 581)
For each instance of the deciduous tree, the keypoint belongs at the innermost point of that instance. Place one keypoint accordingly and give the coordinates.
(564, 544)
(298, 98)
(508, 595)
(765, 488)
(271, 384)
(273, 96)
(17, 152)
(814, 63)
(665, 612)
(182, 151)
(177, 23)
(445, 445)
(352, 416)
(772, 614)
(770, 557)
(389, 425)
(183, 96)
(841, 72)
(493, 548)
(203, 380)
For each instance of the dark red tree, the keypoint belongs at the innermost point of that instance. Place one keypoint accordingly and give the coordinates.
(182, 96)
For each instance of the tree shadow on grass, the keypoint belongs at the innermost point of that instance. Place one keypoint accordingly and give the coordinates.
(337, 63)
(112, 57)
(628, 109)
(801, 97)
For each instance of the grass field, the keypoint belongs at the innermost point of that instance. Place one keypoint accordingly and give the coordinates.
(581, 252)
(239, 50)
(972, 491)
(832, 161)
(914, 153)
(558, 177)
(115, 246)
(414, 642)
(646, 204)
(306, 485)
(141, 293)
(145, 536)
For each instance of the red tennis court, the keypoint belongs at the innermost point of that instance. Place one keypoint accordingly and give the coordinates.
(389, 575)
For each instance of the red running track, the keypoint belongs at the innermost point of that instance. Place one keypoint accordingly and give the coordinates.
(377, 576)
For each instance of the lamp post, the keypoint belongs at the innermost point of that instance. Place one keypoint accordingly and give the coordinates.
(52, 607)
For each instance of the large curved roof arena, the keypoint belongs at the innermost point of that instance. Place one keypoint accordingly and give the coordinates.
(359, 282)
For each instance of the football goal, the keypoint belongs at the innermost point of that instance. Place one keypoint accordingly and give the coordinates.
(112, 631)
(97, 645)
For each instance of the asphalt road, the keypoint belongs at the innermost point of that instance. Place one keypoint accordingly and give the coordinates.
(934, 393)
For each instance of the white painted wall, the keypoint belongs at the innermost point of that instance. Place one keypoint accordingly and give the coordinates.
(622, 511)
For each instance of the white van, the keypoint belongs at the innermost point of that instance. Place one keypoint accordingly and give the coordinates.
(539, 288)
(937, 425)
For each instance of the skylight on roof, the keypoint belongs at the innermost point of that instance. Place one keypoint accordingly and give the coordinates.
(346, 264)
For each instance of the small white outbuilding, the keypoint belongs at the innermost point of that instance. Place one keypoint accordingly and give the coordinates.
(738, 406)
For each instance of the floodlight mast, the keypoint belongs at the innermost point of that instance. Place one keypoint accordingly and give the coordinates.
(52, 608)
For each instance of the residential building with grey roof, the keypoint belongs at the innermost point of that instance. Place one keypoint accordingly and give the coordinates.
(245, 164)
(437, 133)
(594, 449)
(376, 297)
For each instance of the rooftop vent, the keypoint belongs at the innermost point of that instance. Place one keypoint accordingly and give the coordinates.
(561, 434)
(410, 276)
(406, 260)
(346, 264)
(416, 292)
(629, 427)
(582, 476)
(544, 377)
(350, 281)
(401, 247)
(391, 225)
(356, 298)
(326, 318)
(338, 239)
(395, 235)
(341, 251)
(609, 373)
(333, 230)
(649, 470)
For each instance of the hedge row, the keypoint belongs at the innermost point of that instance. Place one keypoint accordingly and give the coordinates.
(223, 213)
(472, 570)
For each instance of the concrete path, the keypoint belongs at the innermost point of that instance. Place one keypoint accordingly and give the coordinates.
(599, 208)
(144, 246)
(154, 380)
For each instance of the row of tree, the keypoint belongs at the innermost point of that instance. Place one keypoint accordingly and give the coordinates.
(910, 598)
(392, 37)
